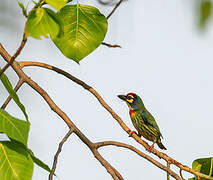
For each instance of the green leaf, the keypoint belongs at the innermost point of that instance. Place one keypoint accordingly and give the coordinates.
(83, 30)
(41, 22)
(205, 12)
(13, 127)
(24, 11)
(203, 165)
(39, 162)
(12, 93)
(15, 162)
(58, 4)
(196, 166)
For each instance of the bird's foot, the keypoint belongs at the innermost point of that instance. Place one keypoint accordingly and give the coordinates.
(151, 147)
(132, 132)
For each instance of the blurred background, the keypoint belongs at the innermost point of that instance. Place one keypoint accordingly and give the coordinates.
(166, 58)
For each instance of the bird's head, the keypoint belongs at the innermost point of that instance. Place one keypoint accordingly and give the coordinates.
(133, 101)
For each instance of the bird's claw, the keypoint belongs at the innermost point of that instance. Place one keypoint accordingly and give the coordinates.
(132, 132)
(151, 147)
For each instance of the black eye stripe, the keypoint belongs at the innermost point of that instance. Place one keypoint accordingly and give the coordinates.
(129, 97)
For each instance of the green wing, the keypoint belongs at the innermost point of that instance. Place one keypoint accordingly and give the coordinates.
(150, 120)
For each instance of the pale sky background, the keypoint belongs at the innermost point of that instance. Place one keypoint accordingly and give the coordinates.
(164, 58)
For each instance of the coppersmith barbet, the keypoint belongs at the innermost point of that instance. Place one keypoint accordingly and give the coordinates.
(142, 120)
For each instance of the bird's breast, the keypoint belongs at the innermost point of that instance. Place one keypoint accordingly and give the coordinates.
(132, 113)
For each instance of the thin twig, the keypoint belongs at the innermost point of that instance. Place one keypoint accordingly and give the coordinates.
(21, 46)
(116, 6)
(58, 152)
(111, 45)
(132, 148)
(110, 14)
(181, 175)
(168, 166)
(18, 51)
(19, 84)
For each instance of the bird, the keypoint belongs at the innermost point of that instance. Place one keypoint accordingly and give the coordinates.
(143, 120)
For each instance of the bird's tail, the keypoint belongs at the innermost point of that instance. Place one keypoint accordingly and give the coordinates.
(159, 143)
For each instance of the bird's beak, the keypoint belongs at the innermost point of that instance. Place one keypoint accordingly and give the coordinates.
(123, 97)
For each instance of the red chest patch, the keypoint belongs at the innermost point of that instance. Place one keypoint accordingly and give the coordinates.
(131, 112)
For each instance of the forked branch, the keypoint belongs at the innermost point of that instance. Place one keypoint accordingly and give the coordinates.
(17, 66)
(115, 116)
(110, 169)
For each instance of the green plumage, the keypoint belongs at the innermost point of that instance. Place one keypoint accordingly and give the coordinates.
(142, 120)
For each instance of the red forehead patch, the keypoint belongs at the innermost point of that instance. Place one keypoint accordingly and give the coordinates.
(130, 94)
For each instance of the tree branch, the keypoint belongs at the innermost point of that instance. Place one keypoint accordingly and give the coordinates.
(116, 117)
(93, 147)
(111, 170)
(18, 51)
(110, 14)
(168, 166)
(21, 46)
(114, 9)
(181, 175)
(58, 152)
(132, 148)
(24, 78)
(19, 84)
(111, 45)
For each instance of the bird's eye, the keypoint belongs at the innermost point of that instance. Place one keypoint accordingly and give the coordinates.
(129, 97)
